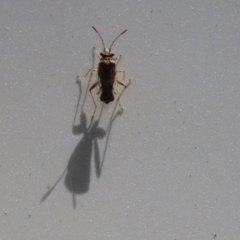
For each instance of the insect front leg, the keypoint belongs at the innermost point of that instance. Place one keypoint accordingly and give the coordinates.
(117, 59)
(90, 90)
(97, 53)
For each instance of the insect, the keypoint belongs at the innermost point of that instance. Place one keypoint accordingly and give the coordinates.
(106, 74)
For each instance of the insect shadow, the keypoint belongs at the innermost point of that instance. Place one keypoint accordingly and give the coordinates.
(78, 170)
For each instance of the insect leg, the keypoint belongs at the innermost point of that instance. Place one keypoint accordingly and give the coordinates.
(90, 90)
(90, 70)
(97, 53)
(117, 59)
(118, 100)
(119, 71)
(123, 73)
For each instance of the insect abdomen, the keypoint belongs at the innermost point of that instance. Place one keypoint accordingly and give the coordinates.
(107, 95)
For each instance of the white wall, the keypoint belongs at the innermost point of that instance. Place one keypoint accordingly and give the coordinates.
(170, 161)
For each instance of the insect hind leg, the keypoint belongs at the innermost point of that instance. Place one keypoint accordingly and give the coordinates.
(125, 86)
(90, 90)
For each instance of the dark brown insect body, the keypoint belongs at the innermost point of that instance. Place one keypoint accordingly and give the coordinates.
(107, 74)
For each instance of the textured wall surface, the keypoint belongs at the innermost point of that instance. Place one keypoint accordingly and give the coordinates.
(166, 168)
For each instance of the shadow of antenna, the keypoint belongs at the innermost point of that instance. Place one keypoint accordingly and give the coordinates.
(53, 187)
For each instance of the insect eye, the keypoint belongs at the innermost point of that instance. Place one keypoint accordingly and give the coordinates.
(112, 54)
(101, 54)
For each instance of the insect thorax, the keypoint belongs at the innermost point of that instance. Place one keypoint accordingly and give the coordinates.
(106, 71)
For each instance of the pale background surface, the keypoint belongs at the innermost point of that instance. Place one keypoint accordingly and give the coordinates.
(171, 160)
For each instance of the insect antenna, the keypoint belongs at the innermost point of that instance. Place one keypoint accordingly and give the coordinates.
(99, 36)
(117, 38)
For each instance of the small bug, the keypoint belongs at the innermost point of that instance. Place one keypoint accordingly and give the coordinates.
(107, 74)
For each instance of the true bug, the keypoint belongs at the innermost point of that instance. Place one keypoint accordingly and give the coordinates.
(106, 74)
